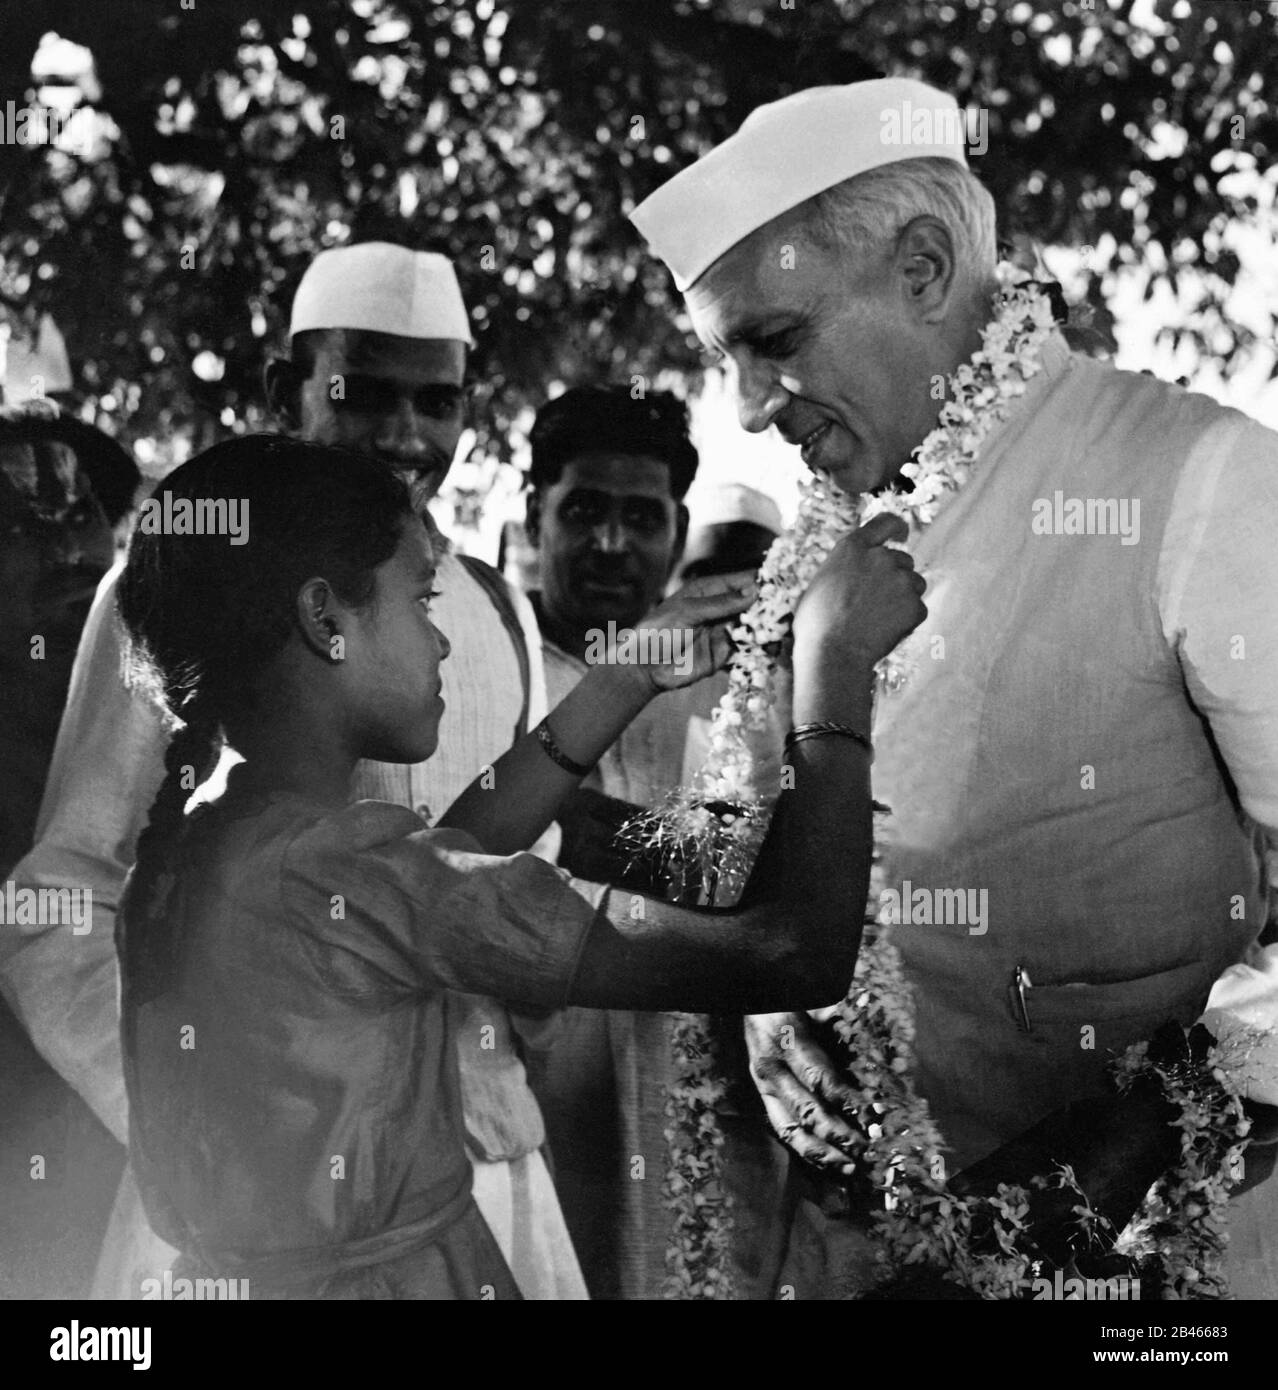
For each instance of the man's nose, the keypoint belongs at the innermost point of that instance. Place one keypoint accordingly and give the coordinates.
(610, 536)
(402, 435)
(759, 397)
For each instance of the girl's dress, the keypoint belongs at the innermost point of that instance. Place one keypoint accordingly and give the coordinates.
(294, 1108)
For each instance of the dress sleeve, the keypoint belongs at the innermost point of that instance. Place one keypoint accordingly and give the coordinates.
(107, 764)
(418, 909)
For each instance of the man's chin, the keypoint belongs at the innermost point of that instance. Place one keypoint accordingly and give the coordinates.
(862, 476)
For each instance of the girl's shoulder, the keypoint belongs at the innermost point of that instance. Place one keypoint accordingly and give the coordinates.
(369, 825)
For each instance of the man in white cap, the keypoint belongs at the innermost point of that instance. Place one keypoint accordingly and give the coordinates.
(1091, 733)
(378, 343)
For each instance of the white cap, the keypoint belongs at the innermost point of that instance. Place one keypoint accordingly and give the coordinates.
(789, 151)
(383, 289)
(729, 502)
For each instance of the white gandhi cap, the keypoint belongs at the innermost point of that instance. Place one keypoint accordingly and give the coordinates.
(383, 289)
(789, 151)
(730, 502)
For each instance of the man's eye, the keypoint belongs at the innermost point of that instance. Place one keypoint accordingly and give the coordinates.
(775, 345)
(371, 397)
(647, 520)
(579, 512)
(440, 402)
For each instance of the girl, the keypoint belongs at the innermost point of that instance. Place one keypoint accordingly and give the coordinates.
(285, 955)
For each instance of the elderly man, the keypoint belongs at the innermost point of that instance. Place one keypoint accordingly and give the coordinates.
(605, 510)
(378, 343)
(1090, 734)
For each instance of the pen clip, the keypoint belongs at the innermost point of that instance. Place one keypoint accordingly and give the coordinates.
(1020, 983)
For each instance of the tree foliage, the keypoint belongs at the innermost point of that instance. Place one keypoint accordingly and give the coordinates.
(516, 135)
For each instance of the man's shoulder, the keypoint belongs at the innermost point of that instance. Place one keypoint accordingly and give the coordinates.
(1150, 408)
(473, 585)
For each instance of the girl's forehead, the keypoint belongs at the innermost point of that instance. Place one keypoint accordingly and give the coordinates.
(415, 553)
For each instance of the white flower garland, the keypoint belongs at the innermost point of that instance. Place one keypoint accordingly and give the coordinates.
(709, 833)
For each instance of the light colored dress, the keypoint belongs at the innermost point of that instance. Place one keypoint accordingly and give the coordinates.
(295, 1108)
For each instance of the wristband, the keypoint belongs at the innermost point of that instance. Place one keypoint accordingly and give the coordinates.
(557, 755)
(827, 726)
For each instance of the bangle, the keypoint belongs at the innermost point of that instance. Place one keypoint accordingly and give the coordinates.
(557, 755)
(826, 726)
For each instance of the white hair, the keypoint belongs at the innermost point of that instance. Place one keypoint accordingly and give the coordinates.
(867, 212)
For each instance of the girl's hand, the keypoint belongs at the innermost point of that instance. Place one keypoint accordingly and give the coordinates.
(685, 638)
(866, 597)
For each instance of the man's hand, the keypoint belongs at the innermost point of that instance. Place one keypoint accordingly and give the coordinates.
(801, 1086)
(685, 638)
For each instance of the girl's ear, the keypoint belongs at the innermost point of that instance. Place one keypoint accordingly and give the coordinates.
(318, 621)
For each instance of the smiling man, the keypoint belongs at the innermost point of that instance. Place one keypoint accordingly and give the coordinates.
(1091, 735)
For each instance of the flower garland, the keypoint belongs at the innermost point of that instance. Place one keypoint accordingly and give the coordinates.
(709, 832)
(707, 835)
(1183, 1221)
(980, 1242)
(697, 1259)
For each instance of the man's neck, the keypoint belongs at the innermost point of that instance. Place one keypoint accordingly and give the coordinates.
(565, 636)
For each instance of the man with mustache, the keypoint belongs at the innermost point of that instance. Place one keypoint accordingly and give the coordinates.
(1091, 731)
(379, 338)
(607, 481)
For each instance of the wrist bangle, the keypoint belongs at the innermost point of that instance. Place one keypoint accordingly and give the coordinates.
(827, 726)
(557, 755)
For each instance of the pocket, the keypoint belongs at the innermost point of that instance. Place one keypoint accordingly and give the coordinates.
(1179, 993)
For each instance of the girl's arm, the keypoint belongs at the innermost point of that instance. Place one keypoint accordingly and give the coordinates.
(796, 948)
(509, 808)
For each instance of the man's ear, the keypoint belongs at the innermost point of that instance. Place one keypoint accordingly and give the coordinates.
(283, 383)
(681, 538)
(318, 620)
(925, 263)
(532, 518)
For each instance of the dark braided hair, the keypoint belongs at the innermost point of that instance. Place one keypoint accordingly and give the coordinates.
(205, 618)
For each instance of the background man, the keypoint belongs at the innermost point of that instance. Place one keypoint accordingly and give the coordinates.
(605, 509)
(379, 337)
(64, 485)
(1092, 750)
